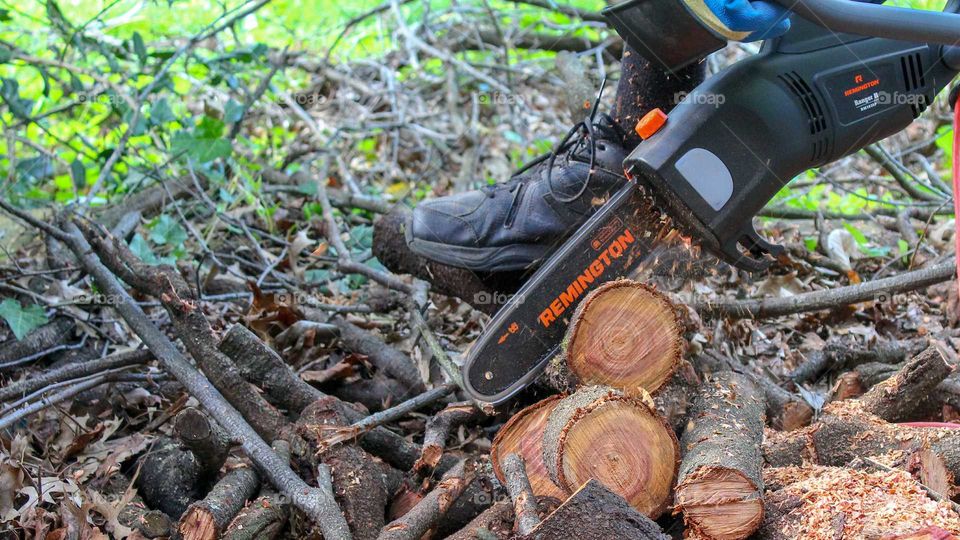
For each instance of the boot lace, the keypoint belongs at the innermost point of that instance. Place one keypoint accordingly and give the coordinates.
(584, 132)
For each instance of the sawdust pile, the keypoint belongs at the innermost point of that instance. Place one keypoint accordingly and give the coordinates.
(832, 502)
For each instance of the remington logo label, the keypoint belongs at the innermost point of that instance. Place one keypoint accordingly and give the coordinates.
(582, 282)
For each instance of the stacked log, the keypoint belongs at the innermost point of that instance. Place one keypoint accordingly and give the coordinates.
(720, 488)
(523, 435)
(600, 433)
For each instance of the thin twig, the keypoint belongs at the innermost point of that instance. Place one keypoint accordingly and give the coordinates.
(358, 428)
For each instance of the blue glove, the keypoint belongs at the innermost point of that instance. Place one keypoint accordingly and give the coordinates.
(745, 20)
(741, 20)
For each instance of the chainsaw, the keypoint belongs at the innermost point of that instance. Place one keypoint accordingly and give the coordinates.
(844, 76)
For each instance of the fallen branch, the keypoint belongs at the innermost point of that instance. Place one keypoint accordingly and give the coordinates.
(383, 356)
(389, 415)
(425, 515)
(74, 371)
(261, 365)
(206, 519)
(831, 298)
(524, 501)
(265, 517)
(38, 343)
(70, 391)
(438, 429)
(204, 438)
(317, 504)
(843, 355)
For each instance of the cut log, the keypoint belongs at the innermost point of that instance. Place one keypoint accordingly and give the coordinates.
(600, 433)
(485, 293)
(625, 335)
(900, 397)
(785, 411)
(720, 488)
(596, 513)
(673, 399)
(263, 519)
(523, 434)
(205, 438)
(857, 381)
(150, 523)
(206, 519)
(169, 477)
(363, 484)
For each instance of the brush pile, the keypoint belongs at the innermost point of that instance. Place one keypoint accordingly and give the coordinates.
(241, 346)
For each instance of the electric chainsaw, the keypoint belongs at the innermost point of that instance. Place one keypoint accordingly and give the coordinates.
(845, 76)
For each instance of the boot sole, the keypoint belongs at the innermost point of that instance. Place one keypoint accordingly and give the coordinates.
(486, 260)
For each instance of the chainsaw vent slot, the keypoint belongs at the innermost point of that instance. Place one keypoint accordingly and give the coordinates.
(816, 119)
(913, 81)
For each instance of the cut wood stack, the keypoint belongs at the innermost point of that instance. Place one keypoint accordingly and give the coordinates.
(624, 344)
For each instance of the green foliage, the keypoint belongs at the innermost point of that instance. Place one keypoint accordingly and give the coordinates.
(21, 319)
(140, 248)
(204, 143)
(166, 231)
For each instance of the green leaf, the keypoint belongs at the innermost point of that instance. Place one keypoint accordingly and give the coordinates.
(857, 234)
(903, 247)
(233, 112)
(161, 113)
(142, 250)
(5, 15)
(209, 128)
(139, 48)
(166, 231)
(204, 143)
(78, 173)
(10, 92)
(22, 319)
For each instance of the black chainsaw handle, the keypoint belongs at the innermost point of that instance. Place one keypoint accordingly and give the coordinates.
(876, 20)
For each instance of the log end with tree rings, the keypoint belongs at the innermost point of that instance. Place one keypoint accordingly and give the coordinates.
(720, 503)
(523, 435)
(625, 335)
(600, 433)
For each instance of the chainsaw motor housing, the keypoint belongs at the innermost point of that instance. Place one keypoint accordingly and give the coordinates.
(805, 100)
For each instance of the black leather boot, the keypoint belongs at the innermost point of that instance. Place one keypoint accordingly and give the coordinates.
(514, 225)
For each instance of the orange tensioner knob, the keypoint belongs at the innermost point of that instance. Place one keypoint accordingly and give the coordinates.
(650, 123)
